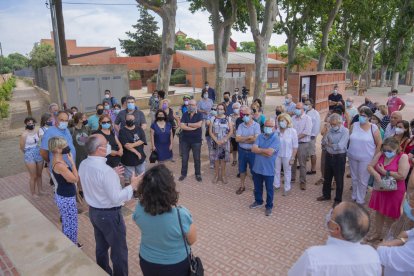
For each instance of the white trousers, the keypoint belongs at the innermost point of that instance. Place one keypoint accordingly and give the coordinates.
(287, 171)
(360, 177)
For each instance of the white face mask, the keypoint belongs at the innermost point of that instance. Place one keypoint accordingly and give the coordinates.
(236, 111)
(106, 96)
(399, 130)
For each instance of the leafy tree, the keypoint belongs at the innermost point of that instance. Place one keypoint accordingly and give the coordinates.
(247, 46)
(144, 41)
(194, 44)
(13, 62)
(167, 10)
(223, 15)
(42, 55)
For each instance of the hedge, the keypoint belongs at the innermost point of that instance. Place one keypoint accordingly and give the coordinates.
(6, 91)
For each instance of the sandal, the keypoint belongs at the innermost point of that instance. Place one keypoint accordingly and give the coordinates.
(234, 163)
(373, 239)
(240, 190)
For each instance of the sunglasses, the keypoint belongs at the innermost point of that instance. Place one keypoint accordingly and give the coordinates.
(106, 122)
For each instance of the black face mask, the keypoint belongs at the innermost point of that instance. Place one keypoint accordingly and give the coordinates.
(160, 118)
(66, 150)
(226, 99)
(30, 127)
(254, 110)
(129, 123)
(99, 111)
(85, 122)
(278, 113)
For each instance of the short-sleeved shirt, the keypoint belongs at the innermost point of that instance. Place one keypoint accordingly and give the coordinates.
(290, 107)
(161, 238)
(334, 98)
(205, 105)
(243, 130)
(394, 104)
(93, 122)
(138, 114)
(262, 164)
(112, 101)
(57, 132)
(229, 108)
(191, 136)
(131, 136)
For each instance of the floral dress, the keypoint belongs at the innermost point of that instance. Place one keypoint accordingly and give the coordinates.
(220, 128)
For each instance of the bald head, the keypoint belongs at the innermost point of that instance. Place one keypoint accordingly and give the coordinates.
(396, 116)
(269, 123)
(94, 145)
(353, 221)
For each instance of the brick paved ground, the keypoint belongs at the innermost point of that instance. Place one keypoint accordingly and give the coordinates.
(232, 239)
(6, 266)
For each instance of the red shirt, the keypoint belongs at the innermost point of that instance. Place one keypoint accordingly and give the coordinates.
(394, 104)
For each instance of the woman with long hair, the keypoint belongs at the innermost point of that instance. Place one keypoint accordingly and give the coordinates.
(29, 145)
(161, 136)
(162, 250)
(106, 129)
(402, 134)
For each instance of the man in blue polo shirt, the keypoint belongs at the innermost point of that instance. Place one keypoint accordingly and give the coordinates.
(191, 134)
(265, 147)
(246, 134)
(59, 130)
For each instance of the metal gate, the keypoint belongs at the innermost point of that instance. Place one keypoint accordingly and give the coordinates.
(86, 92)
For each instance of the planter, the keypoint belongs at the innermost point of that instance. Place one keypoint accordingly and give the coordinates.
(135, 84)
(151, 86)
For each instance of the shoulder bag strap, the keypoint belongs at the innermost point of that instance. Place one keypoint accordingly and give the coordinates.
(373, 136)
(183, 235)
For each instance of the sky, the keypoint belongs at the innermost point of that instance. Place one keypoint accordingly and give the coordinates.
(25, 22)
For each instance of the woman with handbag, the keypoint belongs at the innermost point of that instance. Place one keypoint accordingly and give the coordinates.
(389, 169)
(167, 231)
(161, 137)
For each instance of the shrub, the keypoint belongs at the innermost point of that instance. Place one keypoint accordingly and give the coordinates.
(134, 75)
(178, 77)
(4, 109)
(153, 78)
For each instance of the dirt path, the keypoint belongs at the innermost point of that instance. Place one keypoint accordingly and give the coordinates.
(11, 161)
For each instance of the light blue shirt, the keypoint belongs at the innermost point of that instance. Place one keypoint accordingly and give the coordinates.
(290, 107)
(57, 132)
(205, 105)
(93, 122)
(161, 238)
(262, 164)
(243, 130)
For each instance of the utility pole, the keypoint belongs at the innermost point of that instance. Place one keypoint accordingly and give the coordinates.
(57, 49)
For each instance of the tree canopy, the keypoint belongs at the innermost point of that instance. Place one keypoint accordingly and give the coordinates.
(144, 40)
(13, 62)
(42, 55)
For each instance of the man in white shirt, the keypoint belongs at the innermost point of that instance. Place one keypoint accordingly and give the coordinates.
(395, 117)
(303, 126)
(343, 255)
(397, 256)
(316, 128)
(104, 195)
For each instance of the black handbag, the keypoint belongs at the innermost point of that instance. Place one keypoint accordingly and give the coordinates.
(153, 157)
(196, 266)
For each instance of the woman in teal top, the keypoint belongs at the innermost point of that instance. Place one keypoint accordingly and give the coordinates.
(162, 250)
(376, 120)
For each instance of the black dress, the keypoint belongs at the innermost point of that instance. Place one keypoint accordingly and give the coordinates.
(112, 161)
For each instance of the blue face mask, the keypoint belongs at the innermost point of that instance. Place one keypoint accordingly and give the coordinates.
(116, 111)
(106, 107)
(246, 118)
(348, 104)
(49, 123)
(268, 130)
(131, 106)
(106, 125)
(298, 112)
(63, 125)
(362, 119)
(283, 124)
(389, 154)
(408, 210)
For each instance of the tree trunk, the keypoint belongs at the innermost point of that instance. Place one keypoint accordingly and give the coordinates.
(384, 69)
(345, 60)
(221, 33)
(411, 72)
(61, 32)
(167, 51)
(261, 39)
(395, 78)
(370, 61)
(325, 36)
(168, 13)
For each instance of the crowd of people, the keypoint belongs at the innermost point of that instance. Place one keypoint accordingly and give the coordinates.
(102, 159)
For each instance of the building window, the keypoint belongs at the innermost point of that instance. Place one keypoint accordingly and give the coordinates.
(272, 73)
(235, 72)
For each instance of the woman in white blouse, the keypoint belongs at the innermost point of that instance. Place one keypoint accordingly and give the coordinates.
(287, 151)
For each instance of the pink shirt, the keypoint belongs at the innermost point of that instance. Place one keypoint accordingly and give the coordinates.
(394, 104)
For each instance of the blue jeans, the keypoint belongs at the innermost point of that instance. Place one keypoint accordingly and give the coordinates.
(258, 180)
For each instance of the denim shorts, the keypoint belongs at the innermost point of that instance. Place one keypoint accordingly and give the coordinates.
(245, 157)
(32, 155)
